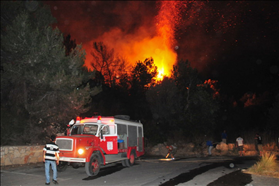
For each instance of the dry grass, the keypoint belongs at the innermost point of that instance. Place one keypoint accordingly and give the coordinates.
(272, 146)
(267, 166)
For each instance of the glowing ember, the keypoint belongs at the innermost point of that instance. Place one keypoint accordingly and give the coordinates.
(166, 159)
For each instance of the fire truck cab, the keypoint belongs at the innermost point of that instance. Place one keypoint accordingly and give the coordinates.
(97, 141)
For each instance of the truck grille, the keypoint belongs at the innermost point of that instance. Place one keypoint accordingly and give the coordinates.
(65, 144)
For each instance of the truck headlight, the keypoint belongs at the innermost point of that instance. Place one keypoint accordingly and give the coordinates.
(80, 151)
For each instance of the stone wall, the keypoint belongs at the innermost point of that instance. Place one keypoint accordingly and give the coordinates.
(18, 155)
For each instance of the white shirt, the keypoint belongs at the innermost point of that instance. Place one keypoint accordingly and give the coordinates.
(239, 141)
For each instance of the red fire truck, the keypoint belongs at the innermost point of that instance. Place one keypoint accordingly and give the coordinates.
(97, 141)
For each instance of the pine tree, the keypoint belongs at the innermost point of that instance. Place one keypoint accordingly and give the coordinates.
(37, 77)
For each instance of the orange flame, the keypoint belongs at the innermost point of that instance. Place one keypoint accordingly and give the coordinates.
(166, 31)
(157, 43)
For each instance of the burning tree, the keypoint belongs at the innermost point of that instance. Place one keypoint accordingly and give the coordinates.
(107, 63)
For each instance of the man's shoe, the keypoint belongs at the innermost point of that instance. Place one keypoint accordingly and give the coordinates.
(55, 182)
(47, 183)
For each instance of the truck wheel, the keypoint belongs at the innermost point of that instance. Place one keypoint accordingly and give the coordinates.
(62, 166)
(131, 161)
(92, 167)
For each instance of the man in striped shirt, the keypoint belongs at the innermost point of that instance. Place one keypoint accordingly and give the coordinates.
(51, 156)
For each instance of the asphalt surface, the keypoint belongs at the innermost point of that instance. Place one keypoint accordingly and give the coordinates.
(149, 171)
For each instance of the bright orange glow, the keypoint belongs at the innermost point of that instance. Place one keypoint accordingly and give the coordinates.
(166, 159)
(157, 42)
(213, 85)
(198, 26)
(160, 74)
(166, 22)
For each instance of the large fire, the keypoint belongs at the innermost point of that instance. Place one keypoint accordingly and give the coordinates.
(157, 41)
(197, 31)
(146, 43)
(165, 58)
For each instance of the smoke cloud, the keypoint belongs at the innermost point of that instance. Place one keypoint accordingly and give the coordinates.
(200, 31)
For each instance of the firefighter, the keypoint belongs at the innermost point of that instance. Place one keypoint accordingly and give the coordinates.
(171, 151)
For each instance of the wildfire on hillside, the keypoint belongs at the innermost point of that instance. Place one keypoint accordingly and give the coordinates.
(164, 30)
(158, 43)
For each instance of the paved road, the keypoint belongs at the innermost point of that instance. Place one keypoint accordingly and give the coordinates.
(146, 172)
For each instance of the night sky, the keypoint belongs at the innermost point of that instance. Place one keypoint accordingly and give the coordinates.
(233, 42)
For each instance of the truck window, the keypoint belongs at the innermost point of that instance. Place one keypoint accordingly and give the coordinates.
(90, 129)
(112, 129)
(106, 130)
(133, 137)
(76, 129)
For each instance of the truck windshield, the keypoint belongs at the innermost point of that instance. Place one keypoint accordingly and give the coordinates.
(90, 129)
(84, 129)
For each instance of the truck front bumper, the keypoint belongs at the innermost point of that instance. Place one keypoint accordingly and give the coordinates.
(68, 159)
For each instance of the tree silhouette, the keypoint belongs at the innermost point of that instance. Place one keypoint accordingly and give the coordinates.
(143, 74)
(186, 80)
(142, 77)
(273, 120)
(164, 99)
(69, 44)
(107, 63)
(180, 103)
(41, 83)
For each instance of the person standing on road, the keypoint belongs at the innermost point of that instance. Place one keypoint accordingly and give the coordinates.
(224, 137)
(258, 144)
(239, 145)
(209, 145)
(51, 157)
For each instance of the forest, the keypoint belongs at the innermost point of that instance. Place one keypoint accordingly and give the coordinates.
(44, 84)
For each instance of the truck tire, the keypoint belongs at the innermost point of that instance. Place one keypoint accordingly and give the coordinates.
(62, 166)
(131, 161)
(92, 167)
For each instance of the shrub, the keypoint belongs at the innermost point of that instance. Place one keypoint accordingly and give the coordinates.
(266, 166)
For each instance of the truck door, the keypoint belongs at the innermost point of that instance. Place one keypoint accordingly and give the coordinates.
(108, 140)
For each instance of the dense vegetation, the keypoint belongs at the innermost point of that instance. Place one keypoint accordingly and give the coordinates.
(44, 85)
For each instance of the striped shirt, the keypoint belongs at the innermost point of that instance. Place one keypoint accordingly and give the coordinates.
(51, 149)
